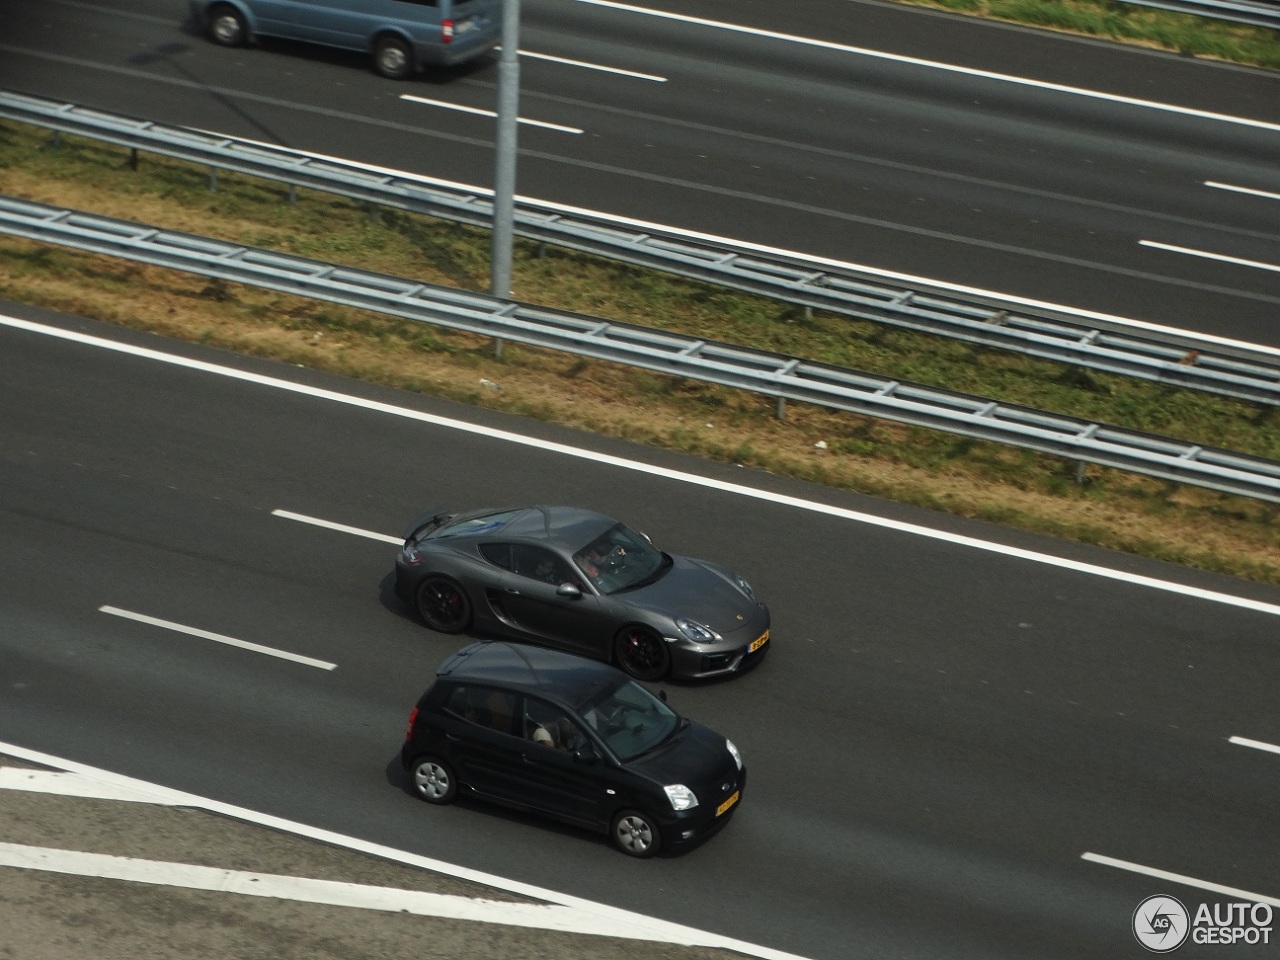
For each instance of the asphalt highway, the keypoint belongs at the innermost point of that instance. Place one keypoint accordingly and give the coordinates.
(956, 722)
(1070, 171)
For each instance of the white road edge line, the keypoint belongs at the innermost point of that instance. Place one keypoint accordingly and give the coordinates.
(613, 921)
(341, 527)
(590, 66)
(1233, 892)
(1249, 190)
(307, 890)
(562, 449)
(413, 98)
(218, 638)
(932, 64)
(1206, 255)
(1255, 744)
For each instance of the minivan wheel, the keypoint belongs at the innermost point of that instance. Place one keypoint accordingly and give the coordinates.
(635, 834)
(443, 604)
(433, 780)
(392, 58)
(227, 26)
(642, 653)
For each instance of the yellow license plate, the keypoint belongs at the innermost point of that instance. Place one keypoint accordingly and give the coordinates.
(758, 642)
(724, 807)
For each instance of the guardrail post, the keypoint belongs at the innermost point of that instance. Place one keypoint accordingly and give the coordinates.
(781, 409)
(293, 194)
(133, 158)
(213, 179)
(1079, 473)
(55, 141)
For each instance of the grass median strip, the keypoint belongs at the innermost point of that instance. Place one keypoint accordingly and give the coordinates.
(912, 465)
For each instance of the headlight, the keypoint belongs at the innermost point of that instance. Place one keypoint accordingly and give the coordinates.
(681, 797)
(733, 752)
(410, 555)
(744, 586)
(696, 631)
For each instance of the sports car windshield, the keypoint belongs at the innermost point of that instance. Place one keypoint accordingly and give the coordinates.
(629, 719)
(621, 559)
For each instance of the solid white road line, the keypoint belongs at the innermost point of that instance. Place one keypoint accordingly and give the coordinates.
(1255, 744)
(506, 436)
(219, 638)
(485, 113)
(591, 66)
(341, 527)
(1234, 189)
(1233, 892)
(1206, 255)
(932, 64)
(543, 916)
(75, 785)
(611, 920)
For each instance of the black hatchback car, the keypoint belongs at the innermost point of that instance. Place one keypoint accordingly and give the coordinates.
(574, 739)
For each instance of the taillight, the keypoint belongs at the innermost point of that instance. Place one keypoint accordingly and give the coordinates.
(446, 31)
(413, 717)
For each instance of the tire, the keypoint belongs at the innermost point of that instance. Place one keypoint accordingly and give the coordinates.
(642, 654)
(635, 834)
(227, 26)
(392, 58)
(433, 780)
(443, 604)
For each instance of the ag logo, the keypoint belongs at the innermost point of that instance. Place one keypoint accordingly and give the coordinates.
(1161, 924)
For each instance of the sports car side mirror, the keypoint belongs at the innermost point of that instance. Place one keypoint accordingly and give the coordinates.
(568, 590)
(585, 754)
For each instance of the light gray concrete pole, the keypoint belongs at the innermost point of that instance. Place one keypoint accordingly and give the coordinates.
(504, 177)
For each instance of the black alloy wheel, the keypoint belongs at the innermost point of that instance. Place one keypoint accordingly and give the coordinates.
(642, 653)
(443, 604)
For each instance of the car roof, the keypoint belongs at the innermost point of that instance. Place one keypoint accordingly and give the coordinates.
(570, 679)
(567, 527)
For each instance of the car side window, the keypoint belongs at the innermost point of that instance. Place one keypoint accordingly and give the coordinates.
(538, 563)
(499, 554)
(482, 706)
(549, 726)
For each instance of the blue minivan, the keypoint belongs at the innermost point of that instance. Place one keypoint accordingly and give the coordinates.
(403, 36)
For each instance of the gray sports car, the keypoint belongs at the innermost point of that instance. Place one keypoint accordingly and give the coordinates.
(582, 582)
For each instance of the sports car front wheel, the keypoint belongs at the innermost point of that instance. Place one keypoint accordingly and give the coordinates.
(443, 604)
(642, 653)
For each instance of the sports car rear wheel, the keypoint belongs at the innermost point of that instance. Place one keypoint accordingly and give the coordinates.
(443, 604)
(642, 653)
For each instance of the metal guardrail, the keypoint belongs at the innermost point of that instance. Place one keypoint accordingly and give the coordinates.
(770, 374)
(1256, 13)
(1187, 362)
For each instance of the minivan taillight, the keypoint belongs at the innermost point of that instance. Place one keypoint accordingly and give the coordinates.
(413, 717)
(446, 31)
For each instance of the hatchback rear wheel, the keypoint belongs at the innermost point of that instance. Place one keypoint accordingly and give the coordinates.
(433, 780)
(443, 604)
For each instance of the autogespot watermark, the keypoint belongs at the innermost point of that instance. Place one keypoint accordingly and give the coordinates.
(1162, 924)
